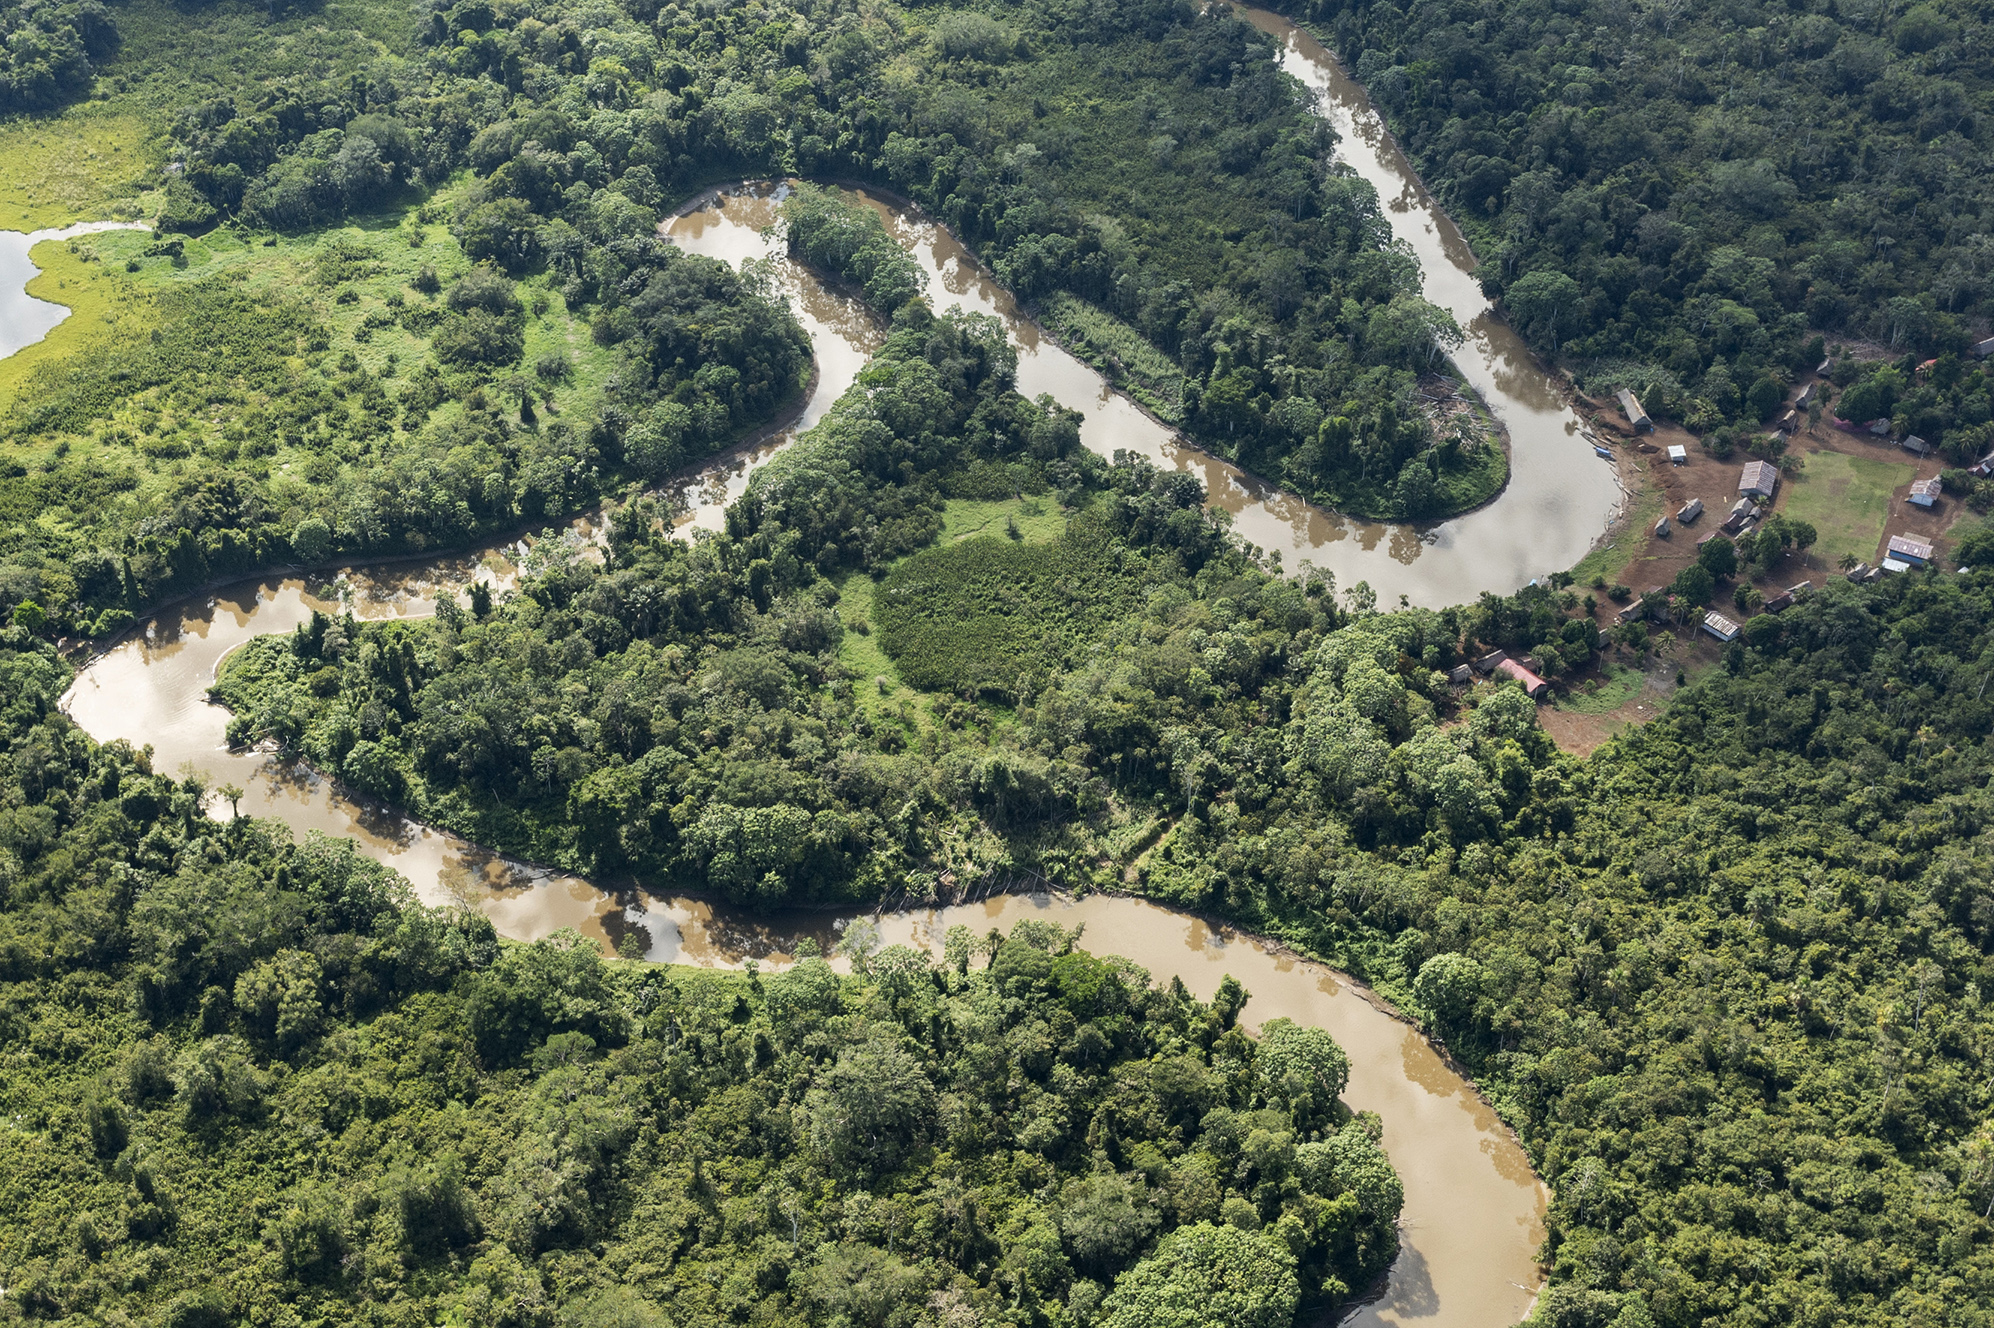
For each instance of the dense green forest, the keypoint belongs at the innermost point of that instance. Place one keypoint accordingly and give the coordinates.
(251, 1081)
(48, 52)
(1149, 166)
(1725, 976)
(1950, 404)
(1677, 197)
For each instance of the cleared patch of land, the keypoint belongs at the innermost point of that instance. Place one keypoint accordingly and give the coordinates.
(1847, 500)
(876, 684)
(1037, 520)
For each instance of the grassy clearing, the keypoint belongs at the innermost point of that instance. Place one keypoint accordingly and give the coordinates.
(877, 687)
(381, 256)
(103, 300)
(1039, 520)
(1618, 685)
(90, 164)
(1847, 499)
(1128, 359)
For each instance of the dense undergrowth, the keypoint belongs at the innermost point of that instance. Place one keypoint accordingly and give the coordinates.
(370, 391)
(1725, 976)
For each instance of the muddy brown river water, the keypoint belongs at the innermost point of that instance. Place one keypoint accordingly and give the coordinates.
(1474, 1211)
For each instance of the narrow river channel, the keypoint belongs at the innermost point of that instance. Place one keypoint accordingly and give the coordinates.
(1474, 1210)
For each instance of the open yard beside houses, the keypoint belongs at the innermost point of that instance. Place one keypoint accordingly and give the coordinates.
(1847, 499)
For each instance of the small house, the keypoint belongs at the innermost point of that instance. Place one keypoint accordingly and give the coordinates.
(1821, 369)
(1637, 418)
(1720, 627)
(1689, 511)
(1759, 479)
(1806, 396)
(1985, 348)
(1916, 446)
(1742, 512)
(1678, 454)
(1925, 493)
(1799, 589)
(1707, 536)
(1860, 572)
(1878, 428)
(1983, 467)
(1533, 686)
(1910, 549)
(1874, 573)
(1487, 663)
(1783, 600)
(1788, 422)
(1662, 527)
(1460, 674)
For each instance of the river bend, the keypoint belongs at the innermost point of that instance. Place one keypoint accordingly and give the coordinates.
(1474, 1211)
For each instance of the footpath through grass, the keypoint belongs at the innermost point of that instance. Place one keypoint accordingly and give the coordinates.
(1847, 500)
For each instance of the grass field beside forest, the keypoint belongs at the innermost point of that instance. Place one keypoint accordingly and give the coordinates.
(90, 164)
(1847, 500)
(347, 276)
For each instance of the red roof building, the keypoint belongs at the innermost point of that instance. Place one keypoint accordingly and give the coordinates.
(1533, 686)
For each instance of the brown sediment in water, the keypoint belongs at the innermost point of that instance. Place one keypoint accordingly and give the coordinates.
(1544, 519)
(1474, 1211)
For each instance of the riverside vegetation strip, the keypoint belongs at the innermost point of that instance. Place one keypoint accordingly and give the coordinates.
(1672, 198)
(1726, 976)
(1152, 160)
(270, 1087)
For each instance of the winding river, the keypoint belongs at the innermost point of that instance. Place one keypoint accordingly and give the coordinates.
(1473, 1216)
(1560, 496)
(1474, 1210)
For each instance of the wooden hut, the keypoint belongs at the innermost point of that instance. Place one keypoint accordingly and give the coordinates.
(1910, 550)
